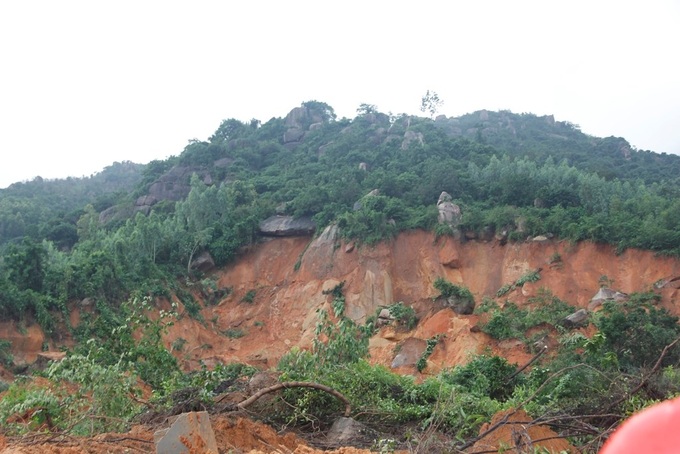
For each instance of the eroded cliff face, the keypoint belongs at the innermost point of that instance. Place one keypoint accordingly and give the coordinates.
(284, 312)
(288, 276)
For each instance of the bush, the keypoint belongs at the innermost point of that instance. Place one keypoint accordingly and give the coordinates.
(458, 298)
(404, 315)
(6, 357)
(485, 376)
(448, 290)
(249, 297)
(513, 321)
(637, 331)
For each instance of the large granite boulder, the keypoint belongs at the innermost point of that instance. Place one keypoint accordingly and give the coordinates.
(302, 119)
(412, 137)
(606, 294)
(175, 184)
(203, 262)
(449, 212)
(287, 226)
(293, 135)
(577, 319)
(460, 305)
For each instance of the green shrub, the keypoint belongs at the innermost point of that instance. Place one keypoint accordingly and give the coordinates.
(532, 276)
(485, 376)
(432, 342)
(404, 315)
(448, 290)
(192, 307)
(234, 333)
(249, 297)
(512, 321)
(6, 357)
(637, 331)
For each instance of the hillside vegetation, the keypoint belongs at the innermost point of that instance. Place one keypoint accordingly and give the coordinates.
(122, 241)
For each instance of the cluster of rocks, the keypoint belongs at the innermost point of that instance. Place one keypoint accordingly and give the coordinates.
(580, 317)
(299, 122)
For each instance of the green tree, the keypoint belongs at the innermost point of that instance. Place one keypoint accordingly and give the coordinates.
(25, 263)
(195, 218)
(430, 103)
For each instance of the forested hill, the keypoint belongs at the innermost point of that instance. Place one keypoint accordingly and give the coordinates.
(49, 209)
(107, 264)
(311, 163)
(511, 175)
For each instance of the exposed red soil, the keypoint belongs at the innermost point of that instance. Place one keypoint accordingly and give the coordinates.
(517, 432)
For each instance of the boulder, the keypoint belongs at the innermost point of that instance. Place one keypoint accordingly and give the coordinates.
(578, 318)
(449, 212)
(349, 432)
(223, 163)
(45, 358)
(190, 432)
(461, 306)
(293, 135)
(287, 226)
(174, 184)
(606, 294)
(670, 282)
(410, 137)
(108, 215)
(146, 200)
(203, 262)
(410, 351)
(385, 317)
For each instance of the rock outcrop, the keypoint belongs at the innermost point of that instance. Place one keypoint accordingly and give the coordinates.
(449, 212)
(287, 226)
(412, 137)
(203, 262)
(605, 294)
(299, 121)
(174, 185)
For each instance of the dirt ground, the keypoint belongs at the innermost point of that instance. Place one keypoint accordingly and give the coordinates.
(239, 435)
(234, 435)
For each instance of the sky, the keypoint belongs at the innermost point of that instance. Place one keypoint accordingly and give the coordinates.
(87, 83)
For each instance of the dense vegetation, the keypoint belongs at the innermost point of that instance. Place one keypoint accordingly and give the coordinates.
(516, 176)
(55, 248)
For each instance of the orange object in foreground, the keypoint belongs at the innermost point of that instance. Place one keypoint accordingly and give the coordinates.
(654, 430)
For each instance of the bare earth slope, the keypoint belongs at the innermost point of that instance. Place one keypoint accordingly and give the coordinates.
(288, 276)
(283, 313)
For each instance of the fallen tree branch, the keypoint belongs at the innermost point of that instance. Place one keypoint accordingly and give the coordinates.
(296, 384)
(645, 379)
(504, 420)
(531, 361)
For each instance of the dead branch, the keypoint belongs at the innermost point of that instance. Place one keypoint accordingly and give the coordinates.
(516, 409)
(531, 361)
(645, 379)
(296, 384)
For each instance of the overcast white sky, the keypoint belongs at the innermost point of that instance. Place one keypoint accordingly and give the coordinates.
(87, 83)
